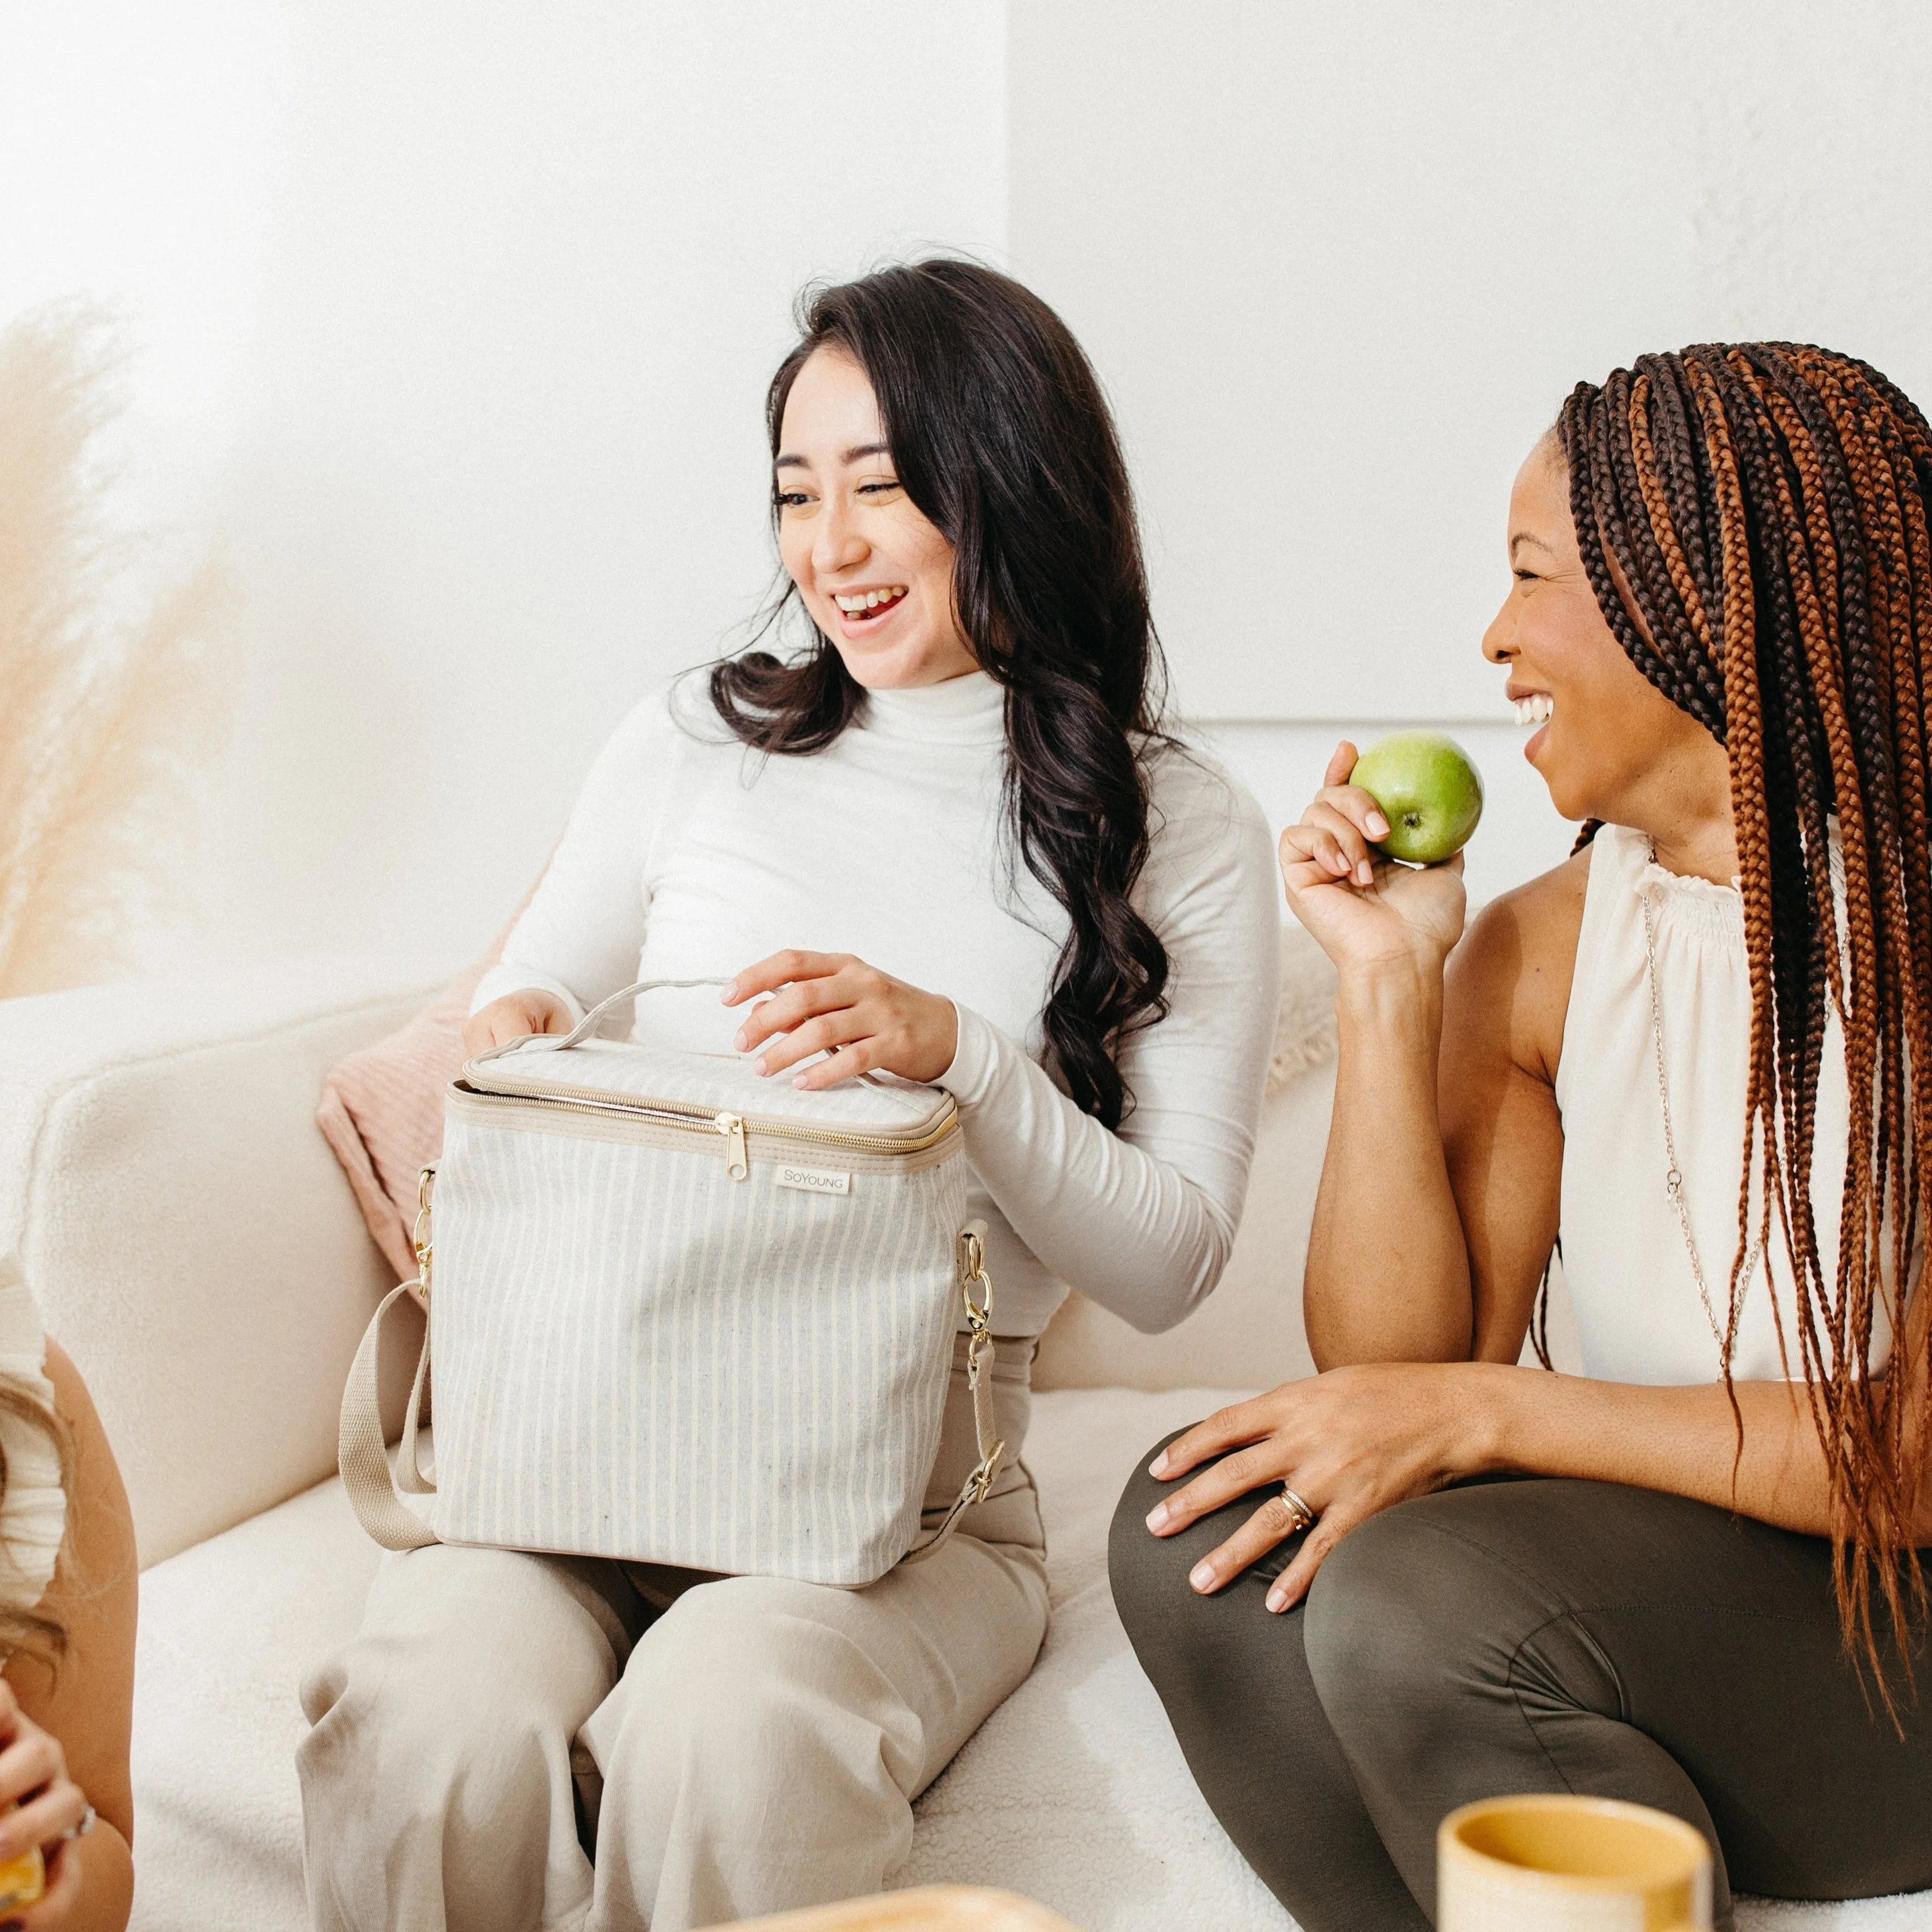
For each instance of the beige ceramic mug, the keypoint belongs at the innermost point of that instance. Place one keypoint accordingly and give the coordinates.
(1569, 1864)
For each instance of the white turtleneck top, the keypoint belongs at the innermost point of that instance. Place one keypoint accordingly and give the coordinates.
(689, 856)
(1640, 1317)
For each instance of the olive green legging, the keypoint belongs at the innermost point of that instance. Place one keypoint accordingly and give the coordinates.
(1517, 1636)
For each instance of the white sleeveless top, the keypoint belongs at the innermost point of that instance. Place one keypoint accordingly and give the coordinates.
(1639, 1317)
(33, 1514)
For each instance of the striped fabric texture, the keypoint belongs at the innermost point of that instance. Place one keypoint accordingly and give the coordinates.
(636, 1355)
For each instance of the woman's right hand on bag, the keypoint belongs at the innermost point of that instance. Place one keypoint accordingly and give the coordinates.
(1367, 910)
(515, 1016)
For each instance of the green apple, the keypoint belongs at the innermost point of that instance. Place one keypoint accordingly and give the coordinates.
(1430, 791)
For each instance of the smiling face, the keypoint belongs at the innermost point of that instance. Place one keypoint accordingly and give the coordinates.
(875, 573)
(1609, 744)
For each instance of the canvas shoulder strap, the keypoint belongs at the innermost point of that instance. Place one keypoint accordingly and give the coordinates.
(375, 1489)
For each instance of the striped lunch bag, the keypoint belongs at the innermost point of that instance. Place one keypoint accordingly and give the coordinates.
(680, 1314)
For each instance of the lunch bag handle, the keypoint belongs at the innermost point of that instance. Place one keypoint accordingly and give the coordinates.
(549, 1043)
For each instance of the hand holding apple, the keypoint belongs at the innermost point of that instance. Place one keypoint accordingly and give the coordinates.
(1364, 908)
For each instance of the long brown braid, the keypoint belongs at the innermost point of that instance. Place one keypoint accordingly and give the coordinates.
(1764, 505)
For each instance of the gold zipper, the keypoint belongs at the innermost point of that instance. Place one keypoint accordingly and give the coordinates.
(735, 1128)
(690, 1110)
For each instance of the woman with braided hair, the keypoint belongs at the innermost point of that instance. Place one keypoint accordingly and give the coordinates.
(1689, 1577)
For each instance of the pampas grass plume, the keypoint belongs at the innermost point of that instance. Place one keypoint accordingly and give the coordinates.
(115, 698)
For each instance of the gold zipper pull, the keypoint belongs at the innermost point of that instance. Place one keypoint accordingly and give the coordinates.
(737, 1161)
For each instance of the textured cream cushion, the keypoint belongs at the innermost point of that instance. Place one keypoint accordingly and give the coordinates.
(1249, 1329)
(188, 1233)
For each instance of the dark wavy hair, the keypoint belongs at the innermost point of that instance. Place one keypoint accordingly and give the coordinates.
(1001, 435)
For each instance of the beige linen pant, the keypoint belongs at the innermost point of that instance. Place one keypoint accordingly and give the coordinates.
(730, 1745)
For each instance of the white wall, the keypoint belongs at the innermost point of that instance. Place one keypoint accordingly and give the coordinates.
(1340, 266)
(458, 320)
(454, 319)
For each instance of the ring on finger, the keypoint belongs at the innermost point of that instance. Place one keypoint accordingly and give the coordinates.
(1304, 1516)
(86, 1825)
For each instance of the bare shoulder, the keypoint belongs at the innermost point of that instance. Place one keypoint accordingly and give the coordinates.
(1538, 921)
(87, 1699)
(1509, 980)
(98, 1569)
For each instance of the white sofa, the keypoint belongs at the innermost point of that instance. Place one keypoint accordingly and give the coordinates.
(196, 1248)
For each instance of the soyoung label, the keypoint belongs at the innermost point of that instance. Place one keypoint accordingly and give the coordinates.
(815, 1180)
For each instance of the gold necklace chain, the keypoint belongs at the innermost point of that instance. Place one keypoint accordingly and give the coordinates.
(1673, 1179)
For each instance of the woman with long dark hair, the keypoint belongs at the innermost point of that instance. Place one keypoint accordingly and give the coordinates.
(949, 840)
(1697, 1052)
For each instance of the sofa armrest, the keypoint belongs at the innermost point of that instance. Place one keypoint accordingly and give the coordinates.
(192, 1242)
